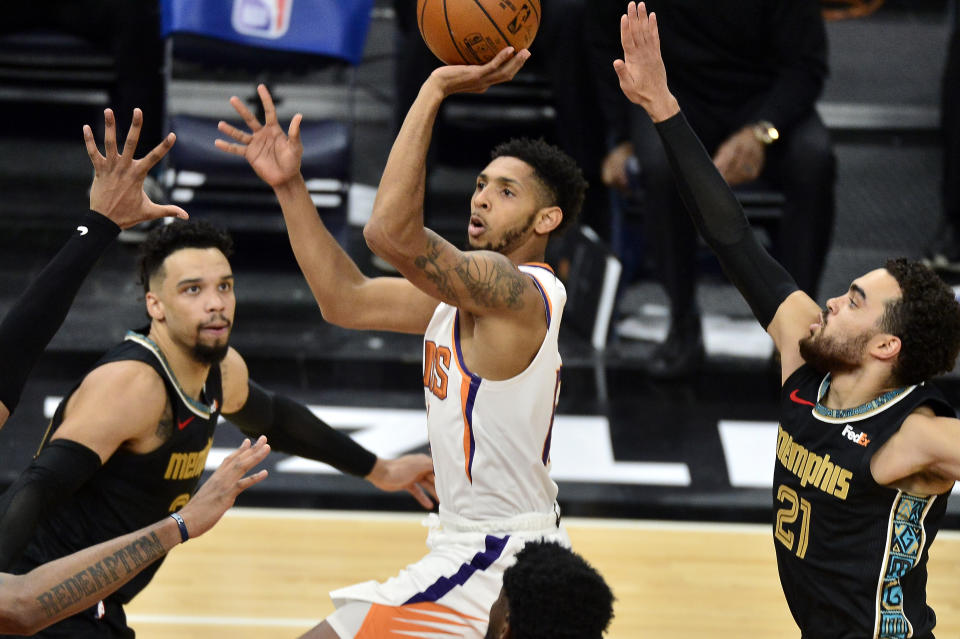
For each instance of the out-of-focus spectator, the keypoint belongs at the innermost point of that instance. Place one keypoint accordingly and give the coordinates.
(747, 74)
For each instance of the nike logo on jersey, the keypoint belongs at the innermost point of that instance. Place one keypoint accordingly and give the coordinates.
(860, 439)
(83, 230)
(799, 400)
(184, 423)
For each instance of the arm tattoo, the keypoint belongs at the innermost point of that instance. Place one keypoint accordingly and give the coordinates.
(99, 576)
(490, 283)
(429, 263)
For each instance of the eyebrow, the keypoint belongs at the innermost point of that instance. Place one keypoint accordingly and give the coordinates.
(859, 291)
(502, 180)
(197, 280)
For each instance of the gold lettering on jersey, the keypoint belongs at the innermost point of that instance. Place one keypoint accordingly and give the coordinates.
(187, 465)
(436, 366)
(810, 468)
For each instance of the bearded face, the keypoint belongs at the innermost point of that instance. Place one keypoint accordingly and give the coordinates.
(833, 354)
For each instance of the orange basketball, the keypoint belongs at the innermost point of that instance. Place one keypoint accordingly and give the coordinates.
(473, 31)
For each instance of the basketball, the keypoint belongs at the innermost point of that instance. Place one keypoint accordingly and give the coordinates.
(474, 31)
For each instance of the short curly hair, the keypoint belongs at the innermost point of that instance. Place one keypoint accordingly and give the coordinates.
(559, 174)
(926, 318)
(553, 593)
(170, 238)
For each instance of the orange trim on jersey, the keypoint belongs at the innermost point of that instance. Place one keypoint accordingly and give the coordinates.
(543, 294)
(468, 382)
(403, 621)
(540, 264)
(467, 434)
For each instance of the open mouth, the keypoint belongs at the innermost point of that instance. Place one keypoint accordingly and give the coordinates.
(476, 227)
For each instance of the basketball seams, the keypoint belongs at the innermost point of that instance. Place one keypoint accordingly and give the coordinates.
(423, 11)
(536, 13)
(493, 22)
(446, 18)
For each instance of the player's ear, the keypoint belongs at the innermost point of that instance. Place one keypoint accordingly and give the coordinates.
(548, 219)
(154, 307)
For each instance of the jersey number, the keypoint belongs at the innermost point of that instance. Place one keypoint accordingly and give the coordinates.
(794, 505)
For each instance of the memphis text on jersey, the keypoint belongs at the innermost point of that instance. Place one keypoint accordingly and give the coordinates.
(810, 468)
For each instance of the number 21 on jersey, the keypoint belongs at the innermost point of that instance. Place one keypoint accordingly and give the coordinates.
(794, 506)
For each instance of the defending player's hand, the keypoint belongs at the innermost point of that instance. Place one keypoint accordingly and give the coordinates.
(473, 78)
(413, 473)
(216, 496)
(273, 154)
(643, 78)
(117, 189)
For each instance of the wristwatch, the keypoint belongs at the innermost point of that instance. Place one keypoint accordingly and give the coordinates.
(765, 132)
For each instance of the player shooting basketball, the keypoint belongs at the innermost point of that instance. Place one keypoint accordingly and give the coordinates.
(490, 319)
(867, 451)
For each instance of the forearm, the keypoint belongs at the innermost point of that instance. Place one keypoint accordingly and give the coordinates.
(35, 318)
(721, 221)
(291, 428)
(397, 219)
(329, 271)
(64, 587)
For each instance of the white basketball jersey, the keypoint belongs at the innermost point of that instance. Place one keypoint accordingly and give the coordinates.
(491, 439)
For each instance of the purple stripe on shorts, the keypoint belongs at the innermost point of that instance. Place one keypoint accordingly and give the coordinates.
(481, 561)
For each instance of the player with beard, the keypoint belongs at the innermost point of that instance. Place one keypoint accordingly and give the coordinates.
(127, 445)
(867, 449)
(490, 319)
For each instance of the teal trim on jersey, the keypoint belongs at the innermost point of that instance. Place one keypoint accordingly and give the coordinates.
(197, 408)
(906, 540)
(856, 413)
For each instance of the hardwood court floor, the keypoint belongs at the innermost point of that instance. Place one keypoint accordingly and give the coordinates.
(266, 573)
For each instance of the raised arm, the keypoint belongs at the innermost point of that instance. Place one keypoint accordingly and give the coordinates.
(61, 588)
(785, 312)
(346, 297)
(117, 201)
(292, 428)
(481, 282)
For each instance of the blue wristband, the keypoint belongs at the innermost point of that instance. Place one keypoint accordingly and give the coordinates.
(184, 535)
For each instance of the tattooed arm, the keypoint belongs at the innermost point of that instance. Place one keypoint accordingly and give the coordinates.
(481, 282)
(56, 590)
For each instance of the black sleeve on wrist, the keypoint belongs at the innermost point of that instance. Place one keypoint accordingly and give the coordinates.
(291, 428)
(58, 471)
(35, 318)
(720, 219)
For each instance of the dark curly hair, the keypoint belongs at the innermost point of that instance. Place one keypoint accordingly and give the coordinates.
(559, 174)
(170, 238)
(553, 593)
(926, 318)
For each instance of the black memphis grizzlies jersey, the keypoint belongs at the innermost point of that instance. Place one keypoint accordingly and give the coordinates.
(852, 554)
(131, 490)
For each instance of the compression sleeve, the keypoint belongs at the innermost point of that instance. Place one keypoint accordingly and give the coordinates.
(35, 318)
(290, 427)
(58, 471)
(717, 214)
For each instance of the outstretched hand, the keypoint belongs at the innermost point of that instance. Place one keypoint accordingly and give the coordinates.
(473, 78)
(643, 78)
(117, 190)
(217, 494)
(413, 473)
(274, 156)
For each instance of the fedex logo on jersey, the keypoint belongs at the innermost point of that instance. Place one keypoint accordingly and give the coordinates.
(262, 18)
(857, 438)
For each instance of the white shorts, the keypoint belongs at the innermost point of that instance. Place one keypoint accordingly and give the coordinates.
(448, 592)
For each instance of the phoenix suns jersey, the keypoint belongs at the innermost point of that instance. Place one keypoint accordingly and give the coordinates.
(491, 439)
(851, 553)
(132, 490)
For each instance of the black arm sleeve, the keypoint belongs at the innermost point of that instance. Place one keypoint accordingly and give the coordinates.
(291, 428)
(61, 468)
(717, 214)
(35, 318)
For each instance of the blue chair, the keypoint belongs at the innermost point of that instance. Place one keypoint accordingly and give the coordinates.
(254, 41)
